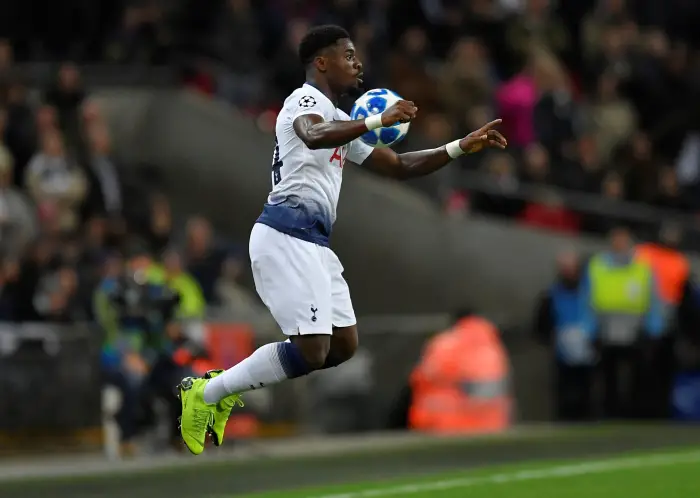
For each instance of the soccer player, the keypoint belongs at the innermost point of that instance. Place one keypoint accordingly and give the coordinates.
(297, 275)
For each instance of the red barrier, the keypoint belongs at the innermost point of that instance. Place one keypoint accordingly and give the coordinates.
(229, 344)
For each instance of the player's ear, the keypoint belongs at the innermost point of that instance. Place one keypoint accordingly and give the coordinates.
(320, 62)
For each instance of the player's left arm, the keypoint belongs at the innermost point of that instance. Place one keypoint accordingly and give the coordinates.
(412, 164)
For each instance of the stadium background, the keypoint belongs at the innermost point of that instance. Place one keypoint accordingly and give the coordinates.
(137, 129)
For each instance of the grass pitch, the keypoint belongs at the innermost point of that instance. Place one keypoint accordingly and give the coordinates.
(643, 475)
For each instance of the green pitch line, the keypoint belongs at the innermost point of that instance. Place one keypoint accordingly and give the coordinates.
(642, 476)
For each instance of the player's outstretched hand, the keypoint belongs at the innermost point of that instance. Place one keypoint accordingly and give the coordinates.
(402, 111)
(484, 137)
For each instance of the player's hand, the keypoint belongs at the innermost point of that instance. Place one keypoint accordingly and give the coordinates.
(402, 111)
(484, 137)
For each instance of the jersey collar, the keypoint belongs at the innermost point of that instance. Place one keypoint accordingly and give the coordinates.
(319, 91)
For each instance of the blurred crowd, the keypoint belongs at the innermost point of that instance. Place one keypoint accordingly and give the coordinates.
(79, 242)
(597, 96)
(622, 327)
(600, 106)
(65, 224)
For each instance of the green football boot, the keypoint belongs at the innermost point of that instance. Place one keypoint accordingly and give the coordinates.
(197, 416)
(222, 411)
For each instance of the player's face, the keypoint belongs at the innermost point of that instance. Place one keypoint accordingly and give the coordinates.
(345, 69)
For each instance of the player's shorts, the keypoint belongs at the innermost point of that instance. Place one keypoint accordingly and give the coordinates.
(300, 282)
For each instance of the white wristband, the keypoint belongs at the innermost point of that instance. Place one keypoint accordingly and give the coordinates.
(454, 150)
(374, 121)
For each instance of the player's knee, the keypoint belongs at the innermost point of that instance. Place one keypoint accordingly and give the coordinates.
(344, 345)
(314, 349)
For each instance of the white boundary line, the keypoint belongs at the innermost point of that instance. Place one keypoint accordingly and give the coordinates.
(593, 467)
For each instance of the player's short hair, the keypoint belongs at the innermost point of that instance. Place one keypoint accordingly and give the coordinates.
(318, 38)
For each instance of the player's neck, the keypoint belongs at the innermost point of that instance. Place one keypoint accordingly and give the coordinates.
(323, 88)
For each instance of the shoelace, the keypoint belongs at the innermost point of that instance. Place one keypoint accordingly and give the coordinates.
(202, 420)
(233, 400)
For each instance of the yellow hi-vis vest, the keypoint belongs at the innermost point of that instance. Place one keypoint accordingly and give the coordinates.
(620, 289)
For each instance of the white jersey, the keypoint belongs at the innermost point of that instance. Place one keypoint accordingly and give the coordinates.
(306, 183)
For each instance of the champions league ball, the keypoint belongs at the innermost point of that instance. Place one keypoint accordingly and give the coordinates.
(375, 102)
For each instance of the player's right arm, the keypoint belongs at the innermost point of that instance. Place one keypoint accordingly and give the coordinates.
(317, 133)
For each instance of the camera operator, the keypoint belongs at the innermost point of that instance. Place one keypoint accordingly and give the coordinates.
(134, 308)
(182, 353)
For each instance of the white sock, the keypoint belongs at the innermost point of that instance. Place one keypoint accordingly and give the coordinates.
(269, 364)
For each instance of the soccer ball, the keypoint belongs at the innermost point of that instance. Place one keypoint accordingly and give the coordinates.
(374, 102)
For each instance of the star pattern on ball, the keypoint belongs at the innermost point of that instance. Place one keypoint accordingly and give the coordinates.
(307, 101)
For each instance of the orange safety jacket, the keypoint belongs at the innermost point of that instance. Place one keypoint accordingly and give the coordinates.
(461, 384)
(671, 270)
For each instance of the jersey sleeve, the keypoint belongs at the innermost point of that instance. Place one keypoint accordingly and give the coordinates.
(308, 103)
(358, 151)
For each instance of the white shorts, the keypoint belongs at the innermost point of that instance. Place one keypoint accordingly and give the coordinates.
(300, 282)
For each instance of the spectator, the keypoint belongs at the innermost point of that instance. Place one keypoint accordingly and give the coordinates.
(448, 386)
(640, 169)
(613, 57)
(410, 67)
(632, 77)
(467, 79)
(607, 12)
(20, 131)
(47, 120)
(9, 280)
(6, 59)
(671, 267)
(203, 258)
(191, 304)
(66, 94)
(688, 166)
(516, 100)
(122, 364)
(17, 220)
(669, 195)
(240, 43)
(500, 168)
(537, 167)
(537, 28)
(584, 170)
(105, 192)
(559, 323)
(369, 40)
(56, 299)
(611, 120)
(286, 72)
(622, 308)
(56, 183)
(612, 187)
(158, 227)
(93, 251)
(612, 190)
(135, 309)
(141, 36)
(556, 115)
(40, 260)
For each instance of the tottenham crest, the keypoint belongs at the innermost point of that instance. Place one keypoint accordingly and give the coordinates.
(307, 102)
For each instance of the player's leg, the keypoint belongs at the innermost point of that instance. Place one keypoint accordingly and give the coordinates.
(269, 364)
(291, 279)
(343, 345)
(345, 339)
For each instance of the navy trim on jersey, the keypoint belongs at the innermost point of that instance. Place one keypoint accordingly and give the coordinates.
(296, 219)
